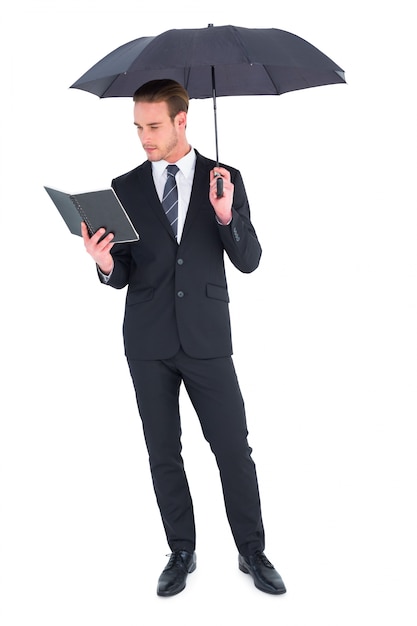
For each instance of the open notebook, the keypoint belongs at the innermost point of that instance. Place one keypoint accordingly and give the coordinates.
(98, 209)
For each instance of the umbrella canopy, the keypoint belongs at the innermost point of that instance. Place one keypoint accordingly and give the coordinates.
(263, 61)
(214, 61)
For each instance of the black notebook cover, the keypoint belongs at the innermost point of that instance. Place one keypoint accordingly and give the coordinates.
(98, 209)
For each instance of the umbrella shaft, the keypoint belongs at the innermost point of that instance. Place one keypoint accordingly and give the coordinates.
(219, 180)
(213, 82)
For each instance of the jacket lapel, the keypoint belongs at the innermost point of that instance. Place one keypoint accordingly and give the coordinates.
(200, 186)
(147, 187)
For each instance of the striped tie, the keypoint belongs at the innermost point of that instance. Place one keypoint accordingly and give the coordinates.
(170, 198)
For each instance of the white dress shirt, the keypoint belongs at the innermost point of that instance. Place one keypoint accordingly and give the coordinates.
(184, 178)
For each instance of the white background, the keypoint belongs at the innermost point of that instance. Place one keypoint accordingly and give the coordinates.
(324, 331)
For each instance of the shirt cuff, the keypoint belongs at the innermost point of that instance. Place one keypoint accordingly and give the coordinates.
(220, 223)
(104, 277)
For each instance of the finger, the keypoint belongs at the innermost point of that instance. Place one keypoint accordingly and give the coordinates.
(220, 171)
(214, 178)
(97, 235)
(84, 232)
(106, 242)
(227, 186)
(108, 247)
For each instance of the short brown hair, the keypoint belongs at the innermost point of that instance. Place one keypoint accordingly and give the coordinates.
(164, 90)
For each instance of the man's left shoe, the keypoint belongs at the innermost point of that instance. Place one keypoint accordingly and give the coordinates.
(264, 575)
(173, 578)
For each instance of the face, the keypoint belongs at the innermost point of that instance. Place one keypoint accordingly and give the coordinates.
(161, 137)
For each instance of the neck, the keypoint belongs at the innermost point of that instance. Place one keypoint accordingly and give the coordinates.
(181, 152)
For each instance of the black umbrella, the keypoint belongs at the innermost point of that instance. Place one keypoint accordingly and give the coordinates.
(214, 61)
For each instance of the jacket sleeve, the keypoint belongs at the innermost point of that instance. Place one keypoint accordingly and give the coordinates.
(121, 254)
(119, 277)
(239, 237)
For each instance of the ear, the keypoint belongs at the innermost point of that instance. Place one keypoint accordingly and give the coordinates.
(181, 119)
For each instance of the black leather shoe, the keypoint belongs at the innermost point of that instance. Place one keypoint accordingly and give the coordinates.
(265, 576)
(173, 578)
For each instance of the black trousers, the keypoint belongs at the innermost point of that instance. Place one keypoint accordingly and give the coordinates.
(215, 394)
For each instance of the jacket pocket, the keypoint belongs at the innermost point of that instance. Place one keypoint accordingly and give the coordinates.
(139, 295)
(217, 292)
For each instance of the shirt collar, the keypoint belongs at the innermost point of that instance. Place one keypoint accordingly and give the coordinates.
(186, 164)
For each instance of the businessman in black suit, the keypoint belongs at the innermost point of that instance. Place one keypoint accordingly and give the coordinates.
(177, 328)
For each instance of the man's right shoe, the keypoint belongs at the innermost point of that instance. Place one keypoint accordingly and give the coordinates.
(264, 574)
(173, 578)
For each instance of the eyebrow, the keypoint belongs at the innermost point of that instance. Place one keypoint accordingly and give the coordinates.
(149, 124)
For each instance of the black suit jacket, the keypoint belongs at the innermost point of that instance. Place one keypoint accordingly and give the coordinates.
(177, 294)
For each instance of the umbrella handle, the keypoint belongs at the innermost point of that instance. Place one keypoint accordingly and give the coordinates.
(219, 183)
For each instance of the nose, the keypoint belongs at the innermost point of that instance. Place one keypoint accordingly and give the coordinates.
(144, 135)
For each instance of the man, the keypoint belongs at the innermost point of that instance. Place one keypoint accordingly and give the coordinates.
(177, 328)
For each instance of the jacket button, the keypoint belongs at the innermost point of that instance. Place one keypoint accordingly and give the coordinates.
(180, 294)
(180, 261)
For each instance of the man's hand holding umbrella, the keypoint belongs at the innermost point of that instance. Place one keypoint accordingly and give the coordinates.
(223, 204)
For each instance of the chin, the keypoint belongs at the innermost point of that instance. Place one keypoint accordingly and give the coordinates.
(153, 155)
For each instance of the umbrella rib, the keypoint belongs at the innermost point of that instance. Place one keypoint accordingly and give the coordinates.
(278, 93)
(187, 72)
(241, 44)
(103, 95)
(243, 47)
